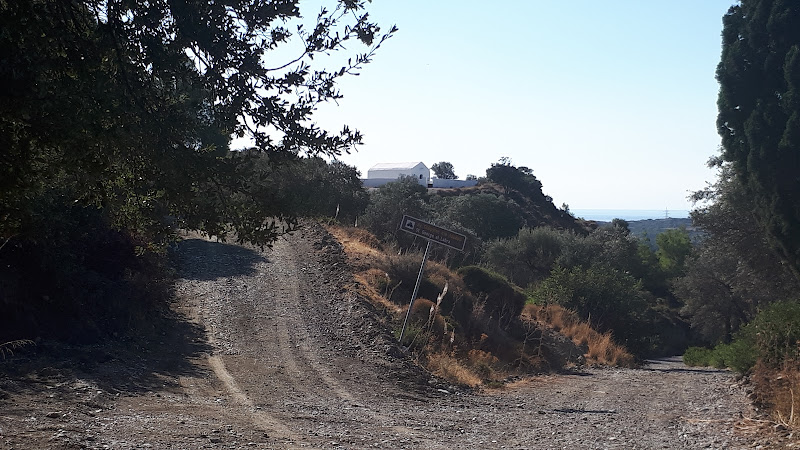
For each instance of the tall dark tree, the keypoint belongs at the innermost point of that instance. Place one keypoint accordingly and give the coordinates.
(759, 114)
(444, 170)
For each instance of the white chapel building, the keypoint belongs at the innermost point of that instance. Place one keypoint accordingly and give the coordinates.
(383, 173)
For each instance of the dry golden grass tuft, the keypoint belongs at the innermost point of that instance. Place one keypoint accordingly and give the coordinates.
(779, 391)
(787, 400)
(450, 368)
(368, 283)
(357, 241)
(601, 346)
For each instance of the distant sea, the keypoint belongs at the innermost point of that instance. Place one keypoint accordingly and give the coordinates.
(607, 215)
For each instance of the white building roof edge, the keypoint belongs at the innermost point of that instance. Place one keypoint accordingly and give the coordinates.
(396, 166)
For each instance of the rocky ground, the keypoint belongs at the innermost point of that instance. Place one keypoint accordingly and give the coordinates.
(273, 349)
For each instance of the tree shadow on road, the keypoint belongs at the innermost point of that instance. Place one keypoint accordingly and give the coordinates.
(158, 347)
(202, 260)
(675, 365)
(153, 358)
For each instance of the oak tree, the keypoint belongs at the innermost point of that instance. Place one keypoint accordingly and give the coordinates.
(130, 107)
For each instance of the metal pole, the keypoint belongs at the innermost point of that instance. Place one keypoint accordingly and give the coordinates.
(414, 295)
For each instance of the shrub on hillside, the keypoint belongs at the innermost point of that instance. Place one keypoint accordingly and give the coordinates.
(389, 203)
(771, 338)
(402, 274)
(610, 300)
(503, 301)
(698, 357)
(776, 333)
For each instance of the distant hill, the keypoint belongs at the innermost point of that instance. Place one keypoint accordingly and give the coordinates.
(653, 227)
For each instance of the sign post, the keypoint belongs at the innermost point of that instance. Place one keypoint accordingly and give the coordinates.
(431, 233)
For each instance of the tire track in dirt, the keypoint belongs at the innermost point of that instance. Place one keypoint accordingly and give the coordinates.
(300, 338)
(197, 310)
(275, 323)
(297, 346)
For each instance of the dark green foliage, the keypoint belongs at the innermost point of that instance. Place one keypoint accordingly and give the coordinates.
(520, 179)
(444, 170)
(759, 114)
(673, 249)
(389, 203)
(529, 256)
(115, 122)
(665, 332)
(714, 299)
(130, 107)
(734, 272)
(502, 300)
(609, 299)
(312, 187)
(698, 356)
(773, 337)
(776, 333)
(609, 246)
(488, 216)
(740, 356)
(83, 282)
(621, 224)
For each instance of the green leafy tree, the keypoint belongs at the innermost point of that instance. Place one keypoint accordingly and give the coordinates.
(520, 179)
(444, 170)
(527, 257)
(609, 246)
(312, 187)
(115, 124)
(759, 114)
(611, 300)
(674, 247)
(734, 272)
(617, 223)
(390, 202)
(715, 305)
(488, 216)
(130, 107)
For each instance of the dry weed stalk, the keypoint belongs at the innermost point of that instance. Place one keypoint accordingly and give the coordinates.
(10, 346)
(789, 379)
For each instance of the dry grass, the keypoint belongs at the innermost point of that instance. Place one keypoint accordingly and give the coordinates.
(450, 368)
(368, 283)
(779, 391)
(357, 242)
(601, 346)
(7, 348)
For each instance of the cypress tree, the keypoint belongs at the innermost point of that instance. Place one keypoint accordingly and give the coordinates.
(759, 114)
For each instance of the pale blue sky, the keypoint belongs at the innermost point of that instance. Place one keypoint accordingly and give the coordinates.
(612, 104)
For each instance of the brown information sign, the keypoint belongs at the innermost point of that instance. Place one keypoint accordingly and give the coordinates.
(433, 233)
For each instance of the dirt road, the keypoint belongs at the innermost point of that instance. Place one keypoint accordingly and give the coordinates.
(271, 350)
